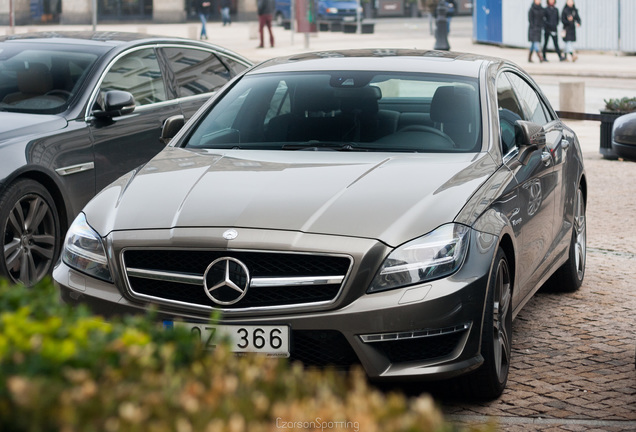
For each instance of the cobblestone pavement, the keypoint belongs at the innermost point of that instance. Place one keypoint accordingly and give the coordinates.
(573, 354)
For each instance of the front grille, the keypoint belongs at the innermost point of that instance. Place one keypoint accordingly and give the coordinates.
(420, 349)
(322, 348)
(177, 276)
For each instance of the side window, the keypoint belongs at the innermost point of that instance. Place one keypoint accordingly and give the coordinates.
(509, 110)
(532, 106)
(234, 66)
(139, 74)
(196, 71)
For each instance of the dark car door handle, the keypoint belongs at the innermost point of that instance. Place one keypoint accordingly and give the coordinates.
(565, 144)
(546, 157)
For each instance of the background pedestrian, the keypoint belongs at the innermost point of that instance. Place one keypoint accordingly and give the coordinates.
(204, 13)
(535, 28)
(571, 20)
(551, 23)
(225, 12)
(265, 13)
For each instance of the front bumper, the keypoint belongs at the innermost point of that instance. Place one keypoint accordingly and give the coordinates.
(427, 331)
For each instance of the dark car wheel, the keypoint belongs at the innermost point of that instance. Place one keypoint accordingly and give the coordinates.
(30, 228)
(569, 277)
(489, 381)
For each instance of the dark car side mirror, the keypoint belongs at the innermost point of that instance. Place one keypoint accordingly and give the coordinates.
(116, 103)
(171, 127)
(529, 137)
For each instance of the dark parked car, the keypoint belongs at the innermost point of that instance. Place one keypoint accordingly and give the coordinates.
(624, 136)
(77, 111)
(392, 208)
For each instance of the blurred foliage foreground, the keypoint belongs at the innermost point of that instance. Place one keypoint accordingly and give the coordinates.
(64, 369)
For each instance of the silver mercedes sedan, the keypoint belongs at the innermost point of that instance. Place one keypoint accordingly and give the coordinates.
(389, 208)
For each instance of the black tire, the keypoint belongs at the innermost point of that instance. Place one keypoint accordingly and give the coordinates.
(489, 381)
(569, 277)
(30, 229)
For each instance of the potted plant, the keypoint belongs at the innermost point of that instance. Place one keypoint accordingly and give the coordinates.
(613, 109)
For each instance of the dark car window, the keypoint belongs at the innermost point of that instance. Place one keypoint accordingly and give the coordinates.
(196, 71)
(510, 110)
(234, 65)
(533, 108)
(40, 81)
(138, 73)
(356, 110)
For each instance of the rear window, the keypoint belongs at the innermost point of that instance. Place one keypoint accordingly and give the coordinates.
(345, 110)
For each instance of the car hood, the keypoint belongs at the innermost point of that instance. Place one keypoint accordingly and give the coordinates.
(14, 125)
(389, 197)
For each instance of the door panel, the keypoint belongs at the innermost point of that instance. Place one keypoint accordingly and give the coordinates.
(536, 193)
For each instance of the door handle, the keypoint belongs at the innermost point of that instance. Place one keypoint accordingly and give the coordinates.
(546, 158)
(565, 144)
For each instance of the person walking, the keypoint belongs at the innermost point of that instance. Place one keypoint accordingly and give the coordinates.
(204, 13)
(571, 20)
(225, 12)
(535, 28)
(265, 13)
(550, 24)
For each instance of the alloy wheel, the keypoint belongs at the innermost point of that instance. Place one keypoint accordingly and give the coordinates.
(580, 234)
(502, 320)
(29, 240)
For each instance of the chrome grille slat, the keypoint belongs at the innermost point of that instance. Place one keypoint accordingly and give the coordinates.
(255, 282)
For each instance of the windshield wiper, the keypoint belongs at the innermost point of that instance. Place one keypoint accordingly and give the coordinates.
(323, 145)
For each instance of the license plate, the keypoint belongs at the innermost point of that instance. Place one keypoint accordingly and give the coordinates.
(349, 18)
(270, 340)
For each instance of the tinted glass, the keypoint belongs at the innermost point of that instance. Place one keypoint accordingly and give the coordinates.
(139, 74)
(510, 111)
(40, 80)
(346, 110)
(532, 106)
(196, 71)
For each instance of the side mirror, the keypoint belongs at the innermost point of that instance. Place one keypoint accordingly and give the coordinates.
(529, 137)
(529, 134)
(171, 127)
(116, 103)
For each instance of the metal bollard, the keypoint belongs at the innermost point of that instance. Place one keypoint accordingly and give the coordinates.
(441, 27)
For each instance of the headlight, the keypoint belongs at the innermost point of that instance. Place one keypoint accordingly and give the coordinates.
(84, 250)
(438, 254)
(332, 10)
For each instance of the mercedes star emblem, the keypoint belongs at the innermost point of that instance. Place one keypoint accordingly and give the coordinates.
(230, 234)
(226, 281)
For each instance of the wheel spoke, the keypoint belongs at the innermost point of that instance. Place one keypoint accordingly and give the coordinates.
(38, 209)
(27, 269)
(12, 253)
(44, 240)
(16, 220)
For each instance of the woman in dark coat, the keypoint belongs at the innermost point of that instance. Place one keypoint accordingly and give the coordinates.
(571, 20)
(535, 28)
(551, 23)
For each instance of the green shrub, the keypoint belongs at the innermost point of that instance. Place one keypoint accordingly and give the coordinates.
(622, 105)
(63, 369)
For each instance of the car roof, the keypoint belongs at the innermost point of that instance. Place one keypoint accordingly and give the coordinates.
(389, 60)
(108, 39)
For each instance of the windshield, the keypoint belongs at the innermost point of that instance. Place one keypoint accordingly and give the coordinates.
(348, 111)
(40, 81)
